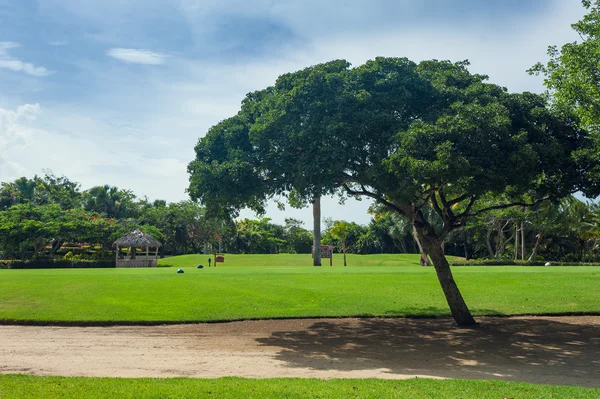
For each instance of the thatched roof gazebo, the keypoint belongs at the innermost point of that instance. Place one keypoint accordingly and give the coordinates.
(137, 239)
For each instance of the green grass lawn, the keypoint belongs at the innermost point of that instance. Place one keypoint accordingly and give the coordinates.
(20, 386)
(293, 260)
(373, 285)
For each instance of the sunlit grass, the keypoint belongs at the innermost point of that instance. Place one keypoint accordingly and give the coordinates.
(246, 287)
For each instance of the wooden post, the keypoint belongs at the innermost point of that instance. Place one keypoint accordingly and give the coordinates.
(117, 255)
(147, 256)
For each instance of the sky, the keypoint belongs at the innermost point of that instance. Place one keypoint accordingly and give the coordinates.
(119, 92)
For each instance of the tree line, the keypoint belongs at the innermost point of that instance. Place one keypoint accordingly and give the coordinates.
(46, 215)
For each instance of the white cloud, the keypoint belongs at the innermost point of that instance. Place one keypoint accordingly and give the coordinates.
(13, 136)
(58, 43)
(137, 56)
(32, 139)
(9, 62)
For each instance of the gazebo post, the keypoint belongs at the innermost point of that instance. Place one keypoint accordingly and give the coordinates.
(117, 255)
(147, 255)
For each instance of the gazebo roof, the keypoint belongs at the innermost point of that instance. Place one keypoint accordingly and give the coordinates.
(138, 238)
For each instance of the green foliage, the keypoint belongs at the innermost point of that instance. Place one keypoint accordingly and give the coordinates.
(46, 190)
(258, 237)
(298, 240)
(24, 386)
(67, 263)
(412, 136)
(110, 202)
(572, 72)
(573, 82)
(504, 262)
(38, 216)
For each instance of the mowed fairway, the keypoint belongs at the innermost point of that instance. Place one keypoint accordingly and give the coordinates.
(285, 286)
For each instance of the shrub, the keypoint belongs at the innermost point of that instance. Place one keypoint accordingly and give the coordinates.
(56, 264)
(512, 262)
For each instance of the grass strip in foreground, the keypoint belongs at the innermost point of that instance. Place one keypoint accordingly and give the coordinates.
(23, 386)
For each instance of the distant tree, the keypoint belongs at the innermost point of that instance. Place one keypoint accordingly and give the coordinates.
(340, 230)
(572, 77)
(46, 190)
(111, 202)
(27, 227)
(258, 237)
(298, 239)
(572, 74)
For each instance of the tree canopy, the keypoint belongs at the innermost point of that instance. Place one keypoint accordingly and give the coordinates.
(572, 74)
(409, 135)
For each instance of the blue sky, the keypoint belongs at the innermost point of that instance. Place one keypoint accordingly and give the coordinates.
(119, 91)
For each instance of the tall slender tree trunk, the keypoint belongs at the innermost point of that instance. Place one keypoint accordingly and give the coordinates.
(516, 241)
(56, 245)
(460, 312)
(424, 260)
(317, 231)
(488, 243)
(522, 241)
(344, 250)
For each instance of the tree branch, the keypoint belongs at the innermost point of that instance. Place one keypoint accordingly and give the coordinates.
(458, 199)
(436, 206)
(378, 198)
(504, 206)
(464, 215)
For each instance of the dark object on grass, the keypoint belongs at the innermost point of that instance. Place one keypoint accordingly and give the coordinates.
(200, 267)
(179, 271)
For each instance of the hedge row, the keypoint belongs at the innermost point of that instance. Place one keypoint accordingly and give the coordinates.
(56, 264)
(498, 262)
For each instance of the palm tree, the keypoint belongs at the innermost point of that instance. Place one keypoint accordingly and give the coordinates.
(340, 230)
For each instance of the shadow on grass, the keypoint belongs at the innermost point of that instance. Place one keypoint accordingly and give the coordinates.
(535, 350)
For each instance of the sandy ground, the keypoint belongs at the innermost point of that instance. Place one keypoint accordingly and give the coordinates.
(548, 350)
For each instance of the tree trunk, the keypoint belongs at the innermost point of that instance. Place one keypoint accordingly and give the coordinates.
(39, 245)
(56, 245)
(516, 241)
(424, 260)
(458, 307)
(344, 250)
(522, 241)
(467, 246)
(488, 242)
(317, 231)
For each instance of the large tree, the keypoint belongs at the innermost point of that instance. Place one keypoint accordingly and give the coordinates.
(572, 76)
(572, 73)
(410, 136)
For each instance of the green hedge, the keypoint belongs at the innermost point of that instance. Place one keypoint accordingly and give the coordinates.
(499, 262)
(55, 264)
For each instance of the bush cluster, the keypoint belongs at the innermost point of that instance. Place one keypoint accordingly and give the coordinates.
(501, 262)
(56, 264)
